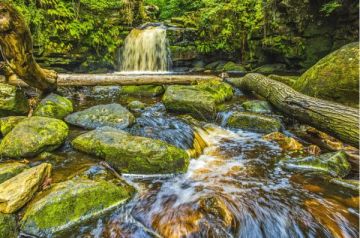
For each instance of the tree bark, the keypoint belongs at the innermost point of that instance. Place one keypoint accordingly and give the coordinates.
(338, 120)
(17, 50)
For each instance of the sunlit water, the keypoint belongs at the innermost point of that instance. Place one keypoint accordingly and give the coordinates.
(235, 188)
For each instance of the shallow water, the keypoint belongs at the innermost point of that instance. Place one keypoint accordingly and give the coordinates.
(235, 188)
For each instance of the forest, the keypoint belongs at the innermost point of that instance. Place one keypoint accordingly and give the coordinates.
(179, 118)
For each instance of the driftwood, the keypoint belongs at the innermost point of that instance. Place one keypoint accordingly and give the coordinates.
(118, 79)
(17, 50)
(340, 121)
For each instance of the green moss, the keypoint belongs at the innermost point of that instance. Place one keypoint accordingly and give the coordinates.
(10, 169)
(54, 106)
(32, 136)
(8, 227)
(12, 101)
(136, 105)
(288, 80)
(8, 123)
(254, 122)
(143, 90)
(71, 203)
(257, 106)
(347, 183)
(132, 154)
(231, 66)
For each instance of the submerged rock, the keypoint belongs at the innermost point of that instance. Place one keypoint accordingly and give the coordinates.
(12, 101)
(257, 106)
(54, 106)
(132, 154)
(254, 122)
(17, 191)
(8, 228)
(335, 77)
(33, 136)
(198, 100)
(113, 115)
(334, 164)
(71, 203)
(8, 123)
(286, 143)
(10, 169)
(143, 90)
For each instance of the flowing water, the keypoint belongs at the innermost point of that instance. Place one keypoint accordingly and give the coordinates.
(234, 186)
(146, 51)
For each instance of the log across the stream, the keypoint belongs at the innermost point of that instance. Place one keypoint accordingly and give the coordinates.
(340, 121)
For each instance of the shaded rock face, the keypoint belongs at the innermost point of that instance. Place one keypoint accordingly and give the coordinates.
(12, 101)
(54, 106)
(71, 203)
(8, 123)
(113, 115)
(254, 122)
(334, 78)
(8, 226)
(17, 191)
(33, 136)
(334, 164)
(198, 100)
(132, 154)
(143, 90)
(10, 169)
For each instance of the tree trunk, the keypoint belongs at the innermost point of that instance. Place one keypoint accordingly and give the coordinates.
(340, 121)
(17, 50)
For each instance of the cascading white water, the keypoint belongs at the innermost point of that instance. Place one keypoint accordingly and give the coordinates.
(146, 50)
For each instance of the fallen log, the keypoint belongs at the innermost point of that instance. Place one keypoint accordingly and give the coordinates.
(17, 50)
(338, 120)
(122, 80)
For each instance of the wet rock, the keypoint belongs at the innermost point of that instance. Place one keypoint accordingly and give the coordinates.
(313, 150)
(132, 154)
(12, 101)
(347, 183)
(33, 136)
(143, 90)
(17, 191)
(136, 105)
(106, 91)
(254, 122)
(257, 106)
(286, 143)
(10, 169)
(334, 164)
(113, 115)
(8, 123)
(8, 228)
(54, 106)
(335, 77)
(71, 203)
(198, 100)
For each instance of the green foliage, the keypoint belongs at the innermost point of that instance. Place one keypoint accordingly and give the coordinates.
(174, 8)
(331, 6)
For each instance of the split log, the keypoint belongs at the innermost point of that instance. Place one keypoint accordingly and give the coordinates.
(338, 120)
(123, 80)
(17, 50)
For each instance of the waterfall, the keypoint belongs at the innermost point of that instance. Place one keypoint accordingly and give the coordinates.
(146, 50)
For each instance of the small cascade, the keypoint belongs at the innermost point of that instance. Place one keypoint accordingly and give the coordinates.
(146, 50)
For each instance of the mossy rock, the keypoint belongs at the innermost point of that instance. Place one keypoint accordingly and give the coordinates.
(113, 115)
(257, 106)
(288, 80)
(271, 69)
(143, 90)
(334, 164)
(8, 228)
(334, 78)
(33, 136)
(231, 66)
(254, 122)
(347, 183)
(136, 105)
(132, 154)
(198, 100)
(11, 169)
(215, 65)
(12, 101)
(8, 123)
(54, 106)
(71, 203)
(106, 91)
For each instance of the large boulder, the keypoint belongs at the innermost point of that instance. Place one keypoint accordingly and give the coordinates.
(132, 154)
(334, 164)
(8, 228)
(54, 106)
(8, 123)
(143, 90)
(254, 122)
(17, 191)
(113, 115)
(12, 101)
(335, 77)
(33, 136)
(198, 100)
(71, 203)
(10, 169)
